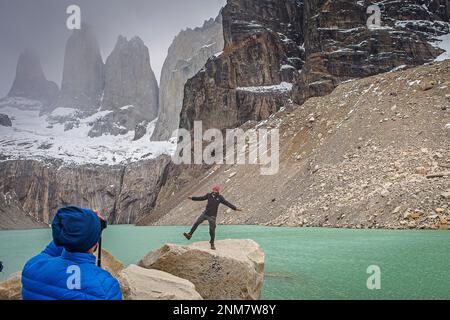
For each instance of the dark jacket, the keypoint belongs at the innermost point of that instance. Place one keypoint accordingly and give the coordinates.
(214, 200)
(46, 277)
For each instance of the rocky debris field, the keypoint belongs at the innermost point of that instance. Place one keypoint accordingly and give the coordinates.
(385, 161)
(375, 153)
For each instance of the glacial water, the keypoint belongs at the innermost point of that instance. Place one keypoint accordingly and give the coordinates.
(301, 263)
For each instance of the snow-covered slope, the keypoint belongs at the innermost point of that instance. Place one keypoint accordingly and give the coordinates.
(443, 42)
(64, 135)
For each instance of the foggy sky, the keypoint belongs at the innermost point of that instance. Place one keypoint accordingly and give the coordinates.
(41, 25)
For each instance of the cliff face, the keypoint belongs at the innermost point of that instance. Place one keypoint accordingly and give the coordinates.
(30, 81)
(313, 45)
(339, 46)
(83, 74)
(262, 48)
(122, 193)
(131, 89)
(12, 215)
(129, 78)
(187, 54)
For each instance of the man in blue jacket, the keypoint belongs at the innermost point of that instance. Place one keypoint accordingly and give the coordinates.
(66, 269)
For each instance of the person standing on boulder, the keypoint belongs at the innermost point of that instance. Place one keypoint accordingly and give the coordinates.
(66, 269)
(210, 213)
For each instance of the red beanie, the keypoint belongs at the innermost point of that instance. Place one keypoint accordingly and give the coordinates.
(216, 188)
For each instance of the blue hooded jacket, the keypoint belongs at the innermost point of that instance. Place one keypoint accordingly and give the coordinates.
(49, 275)
(65, 270)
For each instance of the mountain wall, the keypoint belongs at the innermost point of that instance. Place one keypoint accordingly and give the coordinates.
(339, 45)
(131, 89)
(262, 48)
(83, 74)
(121, 193)
(312, 45)
(186, 56)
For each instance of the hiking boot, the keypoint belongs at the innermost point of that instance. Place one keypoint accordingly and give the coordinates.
(213, 247)
(187, 235)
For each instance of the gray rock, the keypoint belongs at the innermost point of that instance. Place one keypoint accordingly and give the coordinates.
(11, 288)
(83, 74)
(30, 81)
(5, 120)
(139, 131)
(187, 54)
(139, 283)
(130, 81)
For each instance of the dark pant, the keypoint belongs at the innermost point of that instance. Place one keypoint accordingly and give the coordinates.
(212, 225)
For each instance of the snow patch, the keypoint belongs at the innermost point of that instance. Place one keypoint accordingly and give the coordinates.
(413, 82)
(206, 46)
(286, 67)
(401, 67)
(63, 112)
(443, 42)
(127, 107)
(38, 137)
(279, 88)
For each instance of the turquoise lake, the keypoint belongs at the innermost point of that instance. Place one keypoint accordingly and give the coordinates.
(301, 263)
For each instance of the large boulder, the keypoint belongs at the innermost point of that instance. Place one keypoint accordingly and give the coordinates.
(234, 271)
(110, 263)
(148, 284)
(11, 289)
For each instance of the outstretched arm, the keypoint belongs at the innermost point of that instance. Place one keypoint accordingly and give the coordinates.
(203, 198)
(229, 205)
